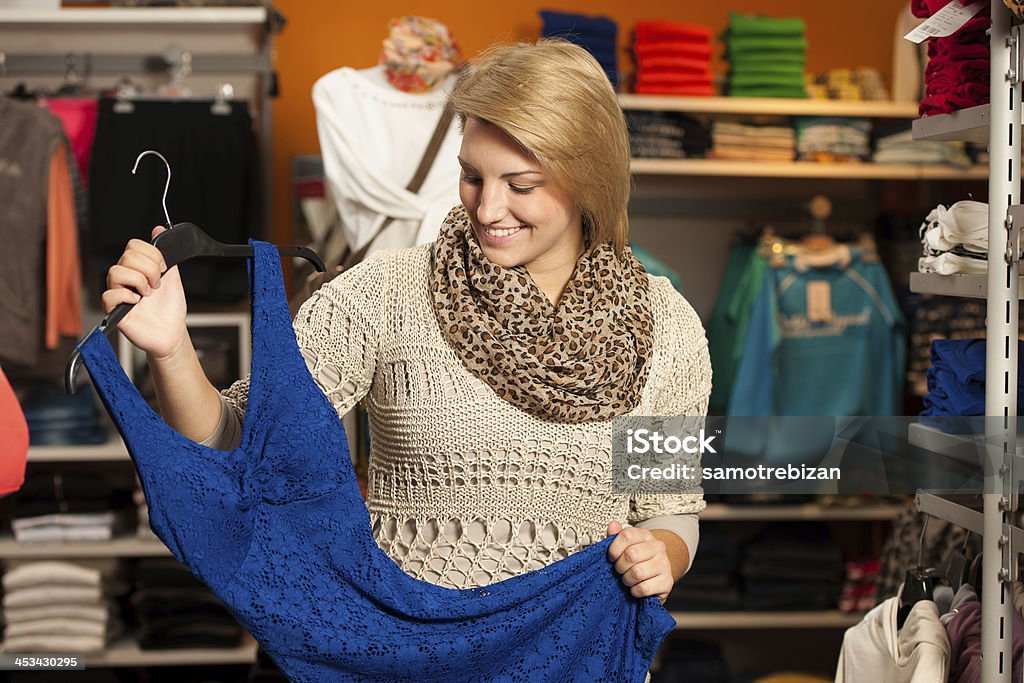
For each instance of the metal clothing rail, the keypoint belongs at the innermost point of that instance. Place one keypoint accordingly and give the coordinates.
(92, 63)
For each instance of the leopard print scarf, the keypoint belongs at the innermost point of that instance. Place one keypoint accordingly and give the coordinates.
(585, 360)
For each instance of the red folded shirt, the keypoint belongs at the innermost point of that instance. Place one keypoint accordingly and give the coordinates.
(669, 30)
(669, 78)
(677, 64)
(672, 48)
(690, 90)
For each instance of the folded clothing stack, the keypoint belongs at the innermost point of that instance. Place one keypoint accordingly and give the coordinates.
(860, 587)
(672, 59)
(66, 507)
(692, 660)
(55, 418)
(766, 56)
(175, 610)
(862, 84)
(62, 606)
(792, 566)
(752, 142)
(956, 384)
(712, 584)
(934, 317)
(820, 138)
(666, 135)
(955, 240)
(597, 34)
(957, 75)
(897, 146)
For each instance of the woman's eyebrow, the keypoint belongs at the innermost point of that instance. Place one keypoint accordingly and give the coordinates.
(510, 174)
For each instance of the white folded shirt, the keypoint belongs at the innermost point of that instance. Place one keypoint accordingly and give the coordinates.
(952, 264)
(963, 224)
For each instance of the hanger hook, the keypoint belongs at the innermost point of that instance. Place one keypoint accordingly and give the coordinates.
(167, 185)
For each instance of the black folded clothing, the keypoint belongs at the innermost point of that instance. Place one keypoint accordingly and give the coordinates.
(161, 572)
(791, 570)
(686, 599)
(796, 541)
(692, 661)
(775, 595)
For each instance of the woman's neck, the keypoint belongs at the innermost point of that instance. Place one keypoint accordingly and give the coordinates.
(553, 277)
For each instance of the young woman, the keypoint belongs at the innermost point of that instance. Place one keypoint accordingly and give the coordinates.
(493, 360)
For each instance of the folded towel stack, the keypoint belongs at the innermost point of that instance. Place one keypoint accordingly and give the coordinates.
(767, 56)
(672, 58)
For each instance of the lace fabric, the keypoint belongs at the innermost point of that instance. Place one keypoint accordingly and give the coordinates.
(278, 530)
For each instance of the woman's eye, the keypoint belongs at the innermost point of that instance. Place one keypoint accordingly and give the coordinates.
(470, 180)
(521, 190)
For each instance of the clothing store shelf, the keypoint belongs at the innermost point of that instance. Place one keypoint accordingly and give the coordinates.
(779, 106)
(805, 169)
(969, 125)
(126, 652)
(971, 286)
(119, 547)
(717, 512)
(112, 450)
(136, 15)
(765, 620)
(960, 446)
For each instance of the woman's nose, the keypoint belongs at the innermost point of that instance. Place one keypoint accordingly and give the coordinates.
(492, 207)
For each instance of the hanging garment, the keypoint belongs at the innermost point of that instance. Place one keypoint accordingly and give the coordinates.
(876, 650)
(372, 137)
(29, 137)
(13, 439)
(216, 184)
(277, 528)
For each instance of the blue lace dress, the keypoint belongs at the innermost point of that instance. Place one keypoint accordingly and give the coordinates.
(277, 528)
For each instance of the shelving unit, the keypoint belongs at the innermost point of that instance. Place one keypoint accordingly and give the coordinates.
(732, 621)
(1000, 125)
(769, 106)
(805, 169)
(716, 512)
(126, 652)
(119, 547)
(103, 43)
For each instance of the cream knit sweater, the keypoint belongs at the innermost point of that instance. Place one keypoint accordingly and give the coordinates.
(465, 489)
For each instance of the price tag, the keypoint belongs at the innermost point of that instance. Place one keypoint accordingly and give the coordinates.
(819, 301)
(945, 22)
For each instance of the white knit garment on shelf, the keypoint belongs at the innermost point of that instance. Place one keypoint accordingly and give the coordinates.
(465, 489)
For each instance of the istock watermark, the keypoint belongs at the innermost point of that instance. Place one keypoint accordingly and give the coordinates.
(680, 455)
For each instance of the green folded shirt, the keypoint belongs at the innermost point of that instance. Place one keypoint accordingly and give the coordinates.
(749, 44)
(769, 67)
(754, 25)
(743, 80)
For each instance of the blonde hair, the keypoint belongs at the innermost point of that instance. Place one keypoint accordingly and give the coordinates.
(553, 98)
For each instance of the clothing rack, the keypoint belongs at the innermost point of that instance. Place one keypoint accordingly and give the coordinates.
(998, 123)
(140, 41)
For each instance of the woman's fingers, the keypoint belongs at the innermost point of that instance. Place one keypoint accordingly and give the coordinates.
(143, 263)
(113, 297)
(122, 276)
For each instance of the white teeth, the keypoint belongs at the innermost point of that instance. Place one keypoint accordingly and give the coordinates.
(504, 232)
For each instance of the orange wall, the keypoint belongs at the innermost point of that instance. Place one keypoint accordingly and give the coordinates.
(325, 34)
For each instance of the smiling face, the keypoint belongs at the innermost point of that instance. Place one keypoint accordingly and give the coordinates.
(521, 215)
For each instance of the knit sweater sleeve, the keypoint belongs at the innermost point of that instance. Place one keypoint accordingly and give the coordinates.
(336, 330)
(683, 392)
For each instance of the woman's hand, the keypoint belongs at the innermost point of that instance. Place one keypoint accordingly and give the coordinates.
(642, 557)
(157, 323)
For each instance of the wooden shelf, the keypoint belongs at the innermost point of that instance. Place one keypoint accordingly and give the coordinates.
(769, 106)
(765, 620)
(119, 547)
(126, 652)
(716, 512)
(804, 169)
(111, 451)
(135, 15)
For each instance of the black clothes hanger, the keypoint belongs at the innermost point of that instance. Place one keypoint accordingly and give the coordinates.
(182, 242)
(918, 584)
(955, 567)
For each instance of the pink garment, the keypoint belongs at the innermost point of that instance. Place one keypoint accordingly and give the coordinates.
(926, 8)
(78, 116)
(13, 439)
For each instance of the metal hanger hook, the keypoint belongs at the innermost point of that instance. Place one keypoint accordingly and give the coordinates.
(167, 185)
